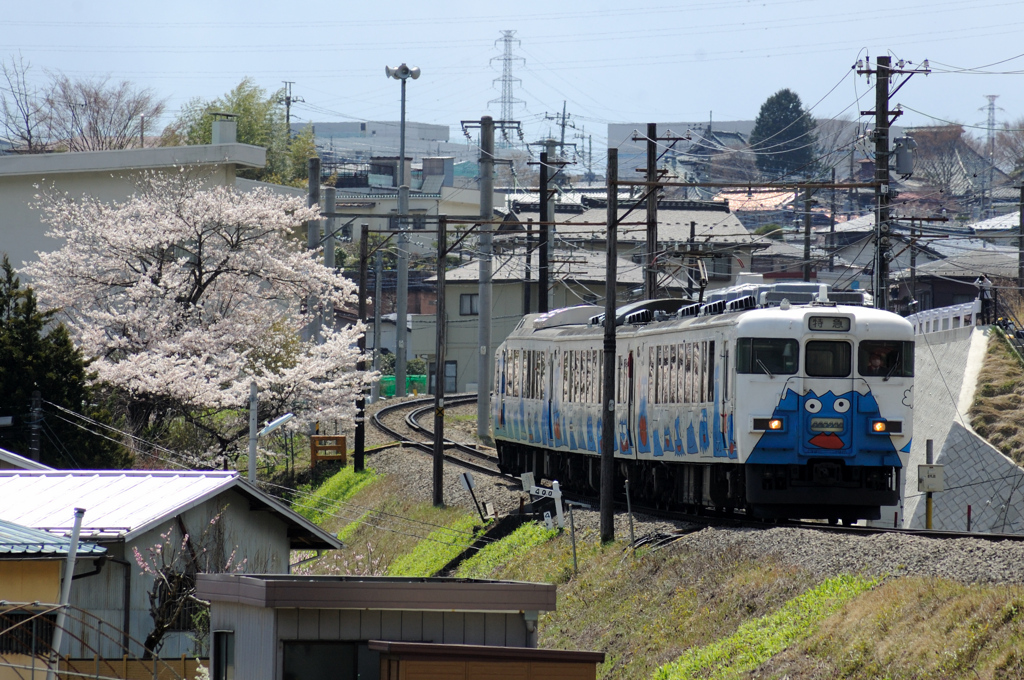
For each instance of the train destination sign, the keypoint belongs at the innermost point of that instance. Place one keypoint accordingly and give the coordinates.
(837, 324)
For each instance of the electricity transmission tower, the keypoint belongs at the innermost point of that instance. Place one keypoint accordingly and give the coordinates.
(988, 178)
(508, 81)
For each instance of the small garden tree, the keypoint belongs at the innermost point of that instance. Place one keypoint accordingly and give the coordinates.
(185, 294)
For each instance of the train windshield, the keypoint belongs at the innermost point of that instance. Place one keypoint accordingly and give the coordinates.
(774, 356)
(828, 359)
(887, 358)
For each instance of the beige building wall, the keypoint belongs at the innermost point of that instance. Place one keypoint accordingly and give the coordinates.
(30, 580)
(105, 175)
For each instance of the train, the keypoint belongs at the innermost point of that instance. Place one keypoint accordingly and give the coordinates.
(784, 401)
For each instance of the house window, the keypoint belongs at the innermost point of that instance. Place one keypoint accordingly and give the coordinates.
(450, 374)
(419, 221)
(469, 304)
(26, 632)
(719, 267)
(223, 655)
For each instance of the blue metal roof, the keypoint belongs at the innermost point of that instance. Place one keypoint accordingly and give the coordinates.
(16, 540)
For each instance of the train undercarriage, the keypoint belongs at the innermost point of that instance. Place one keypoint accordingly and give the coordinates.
(820, 489)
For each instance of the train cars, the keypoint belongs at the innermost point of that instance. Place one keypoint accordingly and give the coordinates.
(753, 403)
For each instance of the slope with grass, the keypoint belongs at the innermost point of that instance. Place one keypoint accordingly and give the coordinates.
(779, 603)
(996, 413)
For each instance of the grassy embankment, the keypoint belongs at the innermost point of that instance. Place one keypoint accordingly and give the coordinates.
(676, 613)
(996, 413)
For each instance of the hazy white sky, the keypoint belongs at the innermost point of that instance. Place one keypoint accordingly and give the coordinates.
(639, 61)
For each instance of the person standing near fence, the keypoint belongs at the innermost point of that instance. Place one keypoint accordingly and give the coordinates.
(987, 301)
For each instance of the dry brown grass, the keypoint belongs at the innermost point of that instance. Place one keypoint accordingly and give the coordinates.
(996, 413)
(915, 628)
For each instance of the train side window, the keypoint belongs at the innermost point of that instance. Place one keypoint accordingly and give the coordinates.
(687, 373)
(673, 385)
(828, 358)
(780, 356)
(565, 376)
(891, 358)
(651, 376)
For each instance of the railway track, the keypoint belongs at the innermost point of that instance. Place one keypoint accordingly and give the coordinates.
(466, 456)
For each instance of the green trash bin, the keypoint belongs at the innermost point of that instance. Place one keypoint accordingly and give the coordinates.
(387, 386)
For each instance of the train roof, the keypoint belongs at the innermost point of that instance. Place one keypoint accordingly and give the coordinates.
(764, 310)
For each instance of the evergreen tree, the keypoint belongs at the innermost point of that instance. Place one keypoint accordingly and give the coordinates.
(783, 136)
(36, 354)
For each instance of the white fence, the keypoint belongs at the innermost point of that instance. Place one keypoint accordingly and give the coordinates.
(946, 318)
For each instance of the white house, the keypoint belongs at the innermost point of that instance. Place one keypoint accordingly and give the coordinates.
(128, 510)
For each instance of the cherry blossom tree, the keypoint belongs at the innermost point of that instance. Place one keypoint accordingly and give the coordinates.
(184, 294)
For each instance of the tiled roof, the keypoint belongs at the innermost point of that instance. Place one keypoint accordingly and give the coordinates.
(17, 540)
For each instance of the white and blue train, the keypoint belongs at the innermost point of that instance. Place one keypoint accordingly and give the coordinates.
(756, 401)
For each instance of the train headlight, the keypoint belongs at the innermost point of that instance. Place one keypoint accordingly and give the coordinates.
(769, 425)
(886, 426)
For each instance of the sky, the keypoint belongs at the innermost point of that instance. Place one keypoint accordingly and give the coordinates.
(639, 61)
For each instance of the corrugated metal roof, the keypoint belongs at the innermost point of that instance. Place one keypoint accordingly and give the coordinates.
(26, 542)
(127, 503)
(14, 460)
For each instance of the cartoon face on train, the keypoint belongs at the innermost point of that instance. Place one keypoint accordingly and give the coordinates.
(822, 424)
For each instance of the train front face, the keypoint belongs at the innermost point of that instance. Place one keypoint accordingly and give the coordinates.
(827, 395)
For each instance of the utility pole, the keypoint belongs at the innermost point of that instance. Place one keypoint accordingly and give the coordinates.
(360, 443)
(253, 420)
(35, 427)
(552, 233)
(882, 253)
(545, 230)
(438, 467)
(527, 274)
(378, 300)
(288, 100)
(330, 205)
(807, 235)
(402, 296)
(313, 238)
(650, 264)
(1020, 240)
(483, 401)
(832, 228)
(608, 383)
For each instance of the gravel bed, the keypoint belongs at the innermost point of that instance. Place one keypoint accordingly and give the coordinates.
(965, 560)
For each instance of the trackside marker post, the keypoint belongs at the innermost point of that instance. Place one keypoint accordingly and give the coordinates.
(554, 493)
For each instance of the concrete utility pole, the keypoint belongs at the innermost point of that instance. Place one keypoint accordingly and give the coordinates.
(608, 384)
(313, 238)
(650, 264)
(402, 297)
(360, 434)
(378, 288)
(552, 233)
(1020, 240)
(832, 228)
(253, 420)
(35, 426)
(807, 235)
(439, 349)
(882, 229)
(288, 100)
(330, 205)
(527, 274)
(483, 401)
(545, 230)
